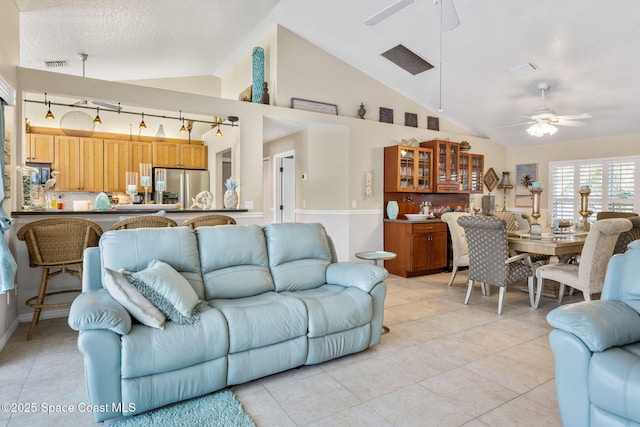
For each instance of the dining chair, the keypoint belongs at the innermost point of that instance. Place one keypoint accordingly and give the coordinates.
(489, 261)
(57, 245)
(144, 221)
(588, 275)
(610, 214)
(458, 242)
(628, 236)
(209, 220)
(509, 218)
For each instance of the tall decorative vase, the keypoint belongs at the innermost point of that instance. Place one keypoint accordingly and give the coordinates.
(258, 73)
(392, 209)
(230, 199)
(160, 136)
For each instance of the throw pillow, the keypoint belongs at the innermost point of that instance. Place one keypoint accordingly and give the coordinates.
(130, 298)
(168, 290)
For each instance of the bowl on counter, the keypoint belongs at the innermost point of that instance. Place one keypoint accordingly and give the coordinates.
(417, 217)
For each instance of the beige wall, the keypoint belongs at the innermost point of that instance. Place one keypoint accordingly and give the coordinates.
(9, 60)
(203, 85)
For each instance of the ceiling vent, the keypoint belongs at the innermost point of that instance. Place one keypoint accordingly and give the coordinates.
(406, 59)
(56, 64)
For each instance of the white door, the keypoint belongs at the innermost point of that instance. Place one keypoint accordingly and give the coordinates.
(285, 189)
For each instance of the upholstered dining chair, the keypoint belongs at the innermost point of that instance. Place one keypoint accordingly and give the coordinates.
(628, 236)
(458, 242)
(209, 220)
(489, 261)
(57, 245)
(144, 221)
(588, 275)
(609, 215)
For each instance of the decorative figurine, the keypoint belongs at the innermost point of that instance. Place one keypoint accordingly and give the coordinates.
(362, 111)
(264, 98)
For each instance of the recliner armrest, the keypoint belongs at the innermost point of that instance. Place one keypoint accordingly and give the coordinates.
(357, 275)
(599, 324)
(98, 310)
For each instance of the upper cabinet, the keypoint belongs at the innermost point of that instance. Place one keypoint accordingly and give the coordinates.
(39, 149)
(446, 165)
(471, 172)
(80, 163)
(116, 162)
(176, 155)
(408, 169)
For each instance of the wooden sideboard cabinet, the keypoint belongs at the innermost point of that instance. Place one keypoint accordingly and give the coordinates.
(471, 172)
(408, 169)
(421, 247)
(446, 164)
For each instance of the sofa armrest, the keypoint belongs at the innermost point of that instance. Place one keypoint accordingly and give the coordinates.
(356, 275)
(98, 310)
(599, 324)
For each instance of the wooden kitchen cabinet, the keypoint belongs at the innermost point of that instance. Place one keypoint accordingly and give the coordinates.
(116, 163)
(421, 247)
(39, 148)
(140, 152)
(446, 164)
(471, 172)
(176, 155)
(408, 169)
(80, 163)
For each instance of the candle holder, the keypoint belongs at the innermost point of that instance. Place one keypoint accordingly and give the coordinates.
(145, 179)
(161, 182)
(535, 228)
(584, 207)
(131, 179)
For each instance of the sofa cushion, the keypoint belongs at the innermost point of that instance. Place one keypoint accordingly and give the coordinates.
(147, 351)
(298, 255)
(132, 250)
(234, 261)
(130, 298)
(167, 290)
(262, 320)
(335, 308)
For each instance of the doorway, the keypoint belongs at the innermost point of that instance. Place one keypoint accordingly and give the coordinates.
(285, 187)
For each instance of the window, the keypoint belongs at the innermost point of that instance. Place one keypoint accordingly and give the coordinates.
(612, 183)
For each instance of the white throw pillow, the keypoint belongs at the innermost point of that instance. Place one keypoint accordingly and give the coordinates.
(131, 299)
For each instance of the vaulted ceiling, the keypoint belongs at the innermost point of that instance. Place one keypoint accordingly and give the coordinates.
(585, 49)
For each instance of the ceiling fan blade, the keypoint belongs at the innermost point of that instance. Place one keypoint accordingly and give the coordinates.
(449, 15)
(562, 122)
(108, 106)
(515, 124)
(575, 116)
(388, 11)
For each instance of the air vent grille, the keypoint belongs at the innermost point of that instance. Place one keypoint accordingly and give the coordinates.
(56, 64)
(407, 60)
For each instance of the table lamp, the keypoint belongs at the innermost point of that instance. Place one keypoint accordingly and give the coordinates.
(505, 185)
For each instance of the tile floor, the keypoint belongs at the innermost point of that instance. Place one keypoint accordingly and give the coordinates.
(442, 364)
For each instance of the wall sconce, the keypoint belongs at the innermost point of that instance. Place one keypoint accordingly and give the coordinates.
(97, 120)
(505, 184)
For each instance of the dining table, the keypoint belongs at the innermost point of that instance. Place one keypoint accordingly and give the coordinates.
(552, 244)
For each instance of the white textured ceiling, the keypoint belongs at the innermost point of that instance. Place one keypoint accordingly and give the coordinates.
(586, 50)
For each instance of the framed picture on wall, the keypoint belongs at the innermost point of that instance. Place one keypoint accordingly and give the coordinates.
(525, 175)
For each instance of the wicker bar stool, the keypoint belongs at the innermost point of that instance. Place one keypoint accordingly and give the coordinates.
(209, 220)
(56, 243)
(144, 221)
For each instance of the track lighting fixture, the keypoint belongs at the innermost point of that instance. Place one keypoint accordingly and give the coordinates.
(49, 114)
(97, 120)
(218, 132)
(143, 125)
(182, 129)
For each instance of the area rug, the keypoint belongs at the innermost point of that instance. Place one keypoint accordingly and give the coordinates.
(218, 409)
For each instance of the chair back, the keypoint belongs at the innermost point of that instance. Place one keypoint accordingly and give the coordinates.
(58, 241)
(144, 221)
(597, 250)
(509, 218)
(628, 236)
(488, 248)
(609, 215)
(209, 220)
(458, 240)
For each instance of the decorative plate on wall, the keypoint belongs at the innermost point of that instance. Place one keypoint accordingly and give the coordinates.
(491, 179)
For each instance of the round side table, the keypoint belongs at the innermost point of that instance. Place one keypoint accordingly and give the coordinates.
(376, 256)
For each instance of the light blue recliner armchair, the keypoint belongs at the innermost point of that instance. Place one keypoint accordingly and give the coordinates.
(596, 346)
(275, 298)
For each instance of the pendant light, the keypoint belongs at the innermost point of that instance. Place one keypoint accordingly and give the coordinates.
(49, 114)
(143, 125)
(97, 120)
(182, 129)
(218, 132)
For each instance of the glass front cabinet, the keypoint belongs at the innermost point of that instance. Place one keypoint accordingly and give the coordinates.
(446, 165)
(408, 169)
(471, 172)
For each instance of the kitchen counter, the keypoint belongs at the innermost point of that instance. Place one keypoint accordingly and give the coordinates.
(133, 210)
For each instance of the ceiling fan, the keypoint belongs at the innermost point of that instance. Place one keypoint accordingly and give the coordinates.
(83, 57)
(449, 16)
(544, 120)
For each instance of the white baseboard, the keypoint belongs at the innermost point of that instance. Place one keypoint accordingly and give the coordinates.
(45, 314)
(5, 338)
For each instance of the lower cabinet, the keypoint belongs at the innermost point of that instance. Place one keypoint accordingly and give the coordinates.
(421, 247)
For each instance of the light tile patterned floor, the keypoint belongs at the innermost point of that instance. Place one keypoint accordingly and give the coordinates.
(442, 364)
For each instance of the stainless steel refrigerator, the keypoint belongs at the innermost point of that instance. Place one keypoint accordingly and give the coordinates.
(183, 185)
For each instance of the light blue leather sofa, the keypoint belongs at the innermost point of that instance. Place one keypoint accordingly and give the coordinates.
(596, 346)
(276, 300)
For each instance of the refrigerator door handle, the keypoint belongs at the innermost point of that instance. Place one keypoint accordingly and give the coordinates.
(181, 191)
(187, 191)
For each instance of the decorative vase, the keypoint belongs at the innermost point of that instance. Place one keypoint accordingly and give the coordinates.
(230, 199)
(257, 73)
(392, 209)
(160, 136)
